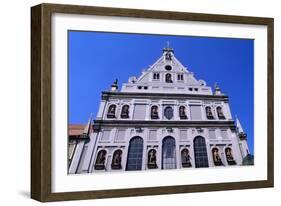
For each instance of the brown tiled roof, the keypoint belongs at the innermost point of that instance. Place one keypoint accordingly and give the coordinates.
(75, 129)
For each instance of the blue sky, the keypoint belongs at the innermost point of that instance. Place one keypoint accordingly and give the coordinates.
(96, 59)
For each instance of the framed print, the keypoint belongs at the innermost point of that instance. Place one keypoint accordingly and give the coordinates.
(130, 102)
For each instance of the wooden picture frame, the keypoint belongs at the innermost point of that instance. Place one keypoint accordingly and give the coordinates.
(41, 98)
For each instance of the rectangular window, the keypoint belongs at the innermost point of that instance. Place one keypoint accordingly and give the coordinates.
(152, 134)
(180, 77)
(120, 135)
(156, 76)
(105, 135)
(195, 111)
(140, 111)
(212, 134)
(224, 134)
(183, 134)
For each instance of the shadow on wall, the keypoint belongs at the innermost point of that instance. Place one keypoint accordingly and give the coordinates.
(24, 193)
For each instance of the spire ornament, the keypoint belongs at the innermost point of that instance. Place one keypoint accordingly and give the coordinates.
(114, 86)
(168, 51)
(241, 134)
(217, 89)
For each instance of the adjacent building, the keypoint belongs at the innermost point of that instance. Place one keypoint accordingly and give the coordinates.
(163, 119)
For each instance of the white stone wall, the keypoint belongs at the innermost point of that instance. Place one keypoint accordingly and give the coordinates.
(162, 103)
(140, 94)
(164, 88)
(111, 144)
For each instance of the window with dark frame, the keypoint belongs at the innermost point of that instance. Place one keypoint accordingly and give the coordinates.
(156, 76)
(135, 152)
(180, 77)
(200, 152)
(169, 153)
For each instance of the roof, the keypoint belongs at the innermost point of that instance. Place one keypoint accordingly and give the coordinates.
(81, 131)
(75, 129)
(167, 75)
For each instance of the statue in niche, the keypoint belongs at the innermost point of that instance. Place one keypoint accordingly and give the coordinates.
(182, 112)
(169, 78)
(111, 111)
(229, 157)
(116, 161)
(125, 111)
(185, 158)
(152, 159)
(220, 113)
(216, 157)
(209, 113)
(100, 160)
(154, 112)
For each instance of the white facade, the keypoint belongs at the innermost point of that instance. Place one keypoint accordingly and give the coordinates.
(164, 119)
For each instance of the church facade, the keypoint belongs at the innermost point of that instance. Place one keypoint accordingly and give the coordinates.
(163, 119)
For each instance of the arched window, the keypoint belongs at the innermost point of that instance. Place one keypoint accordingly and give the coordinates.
(125, 112)
(154, 112)
(169, 153)
(182, 112)
(220, 113)
(111, 111)
(151, 159)
(209, 113)
(216, 157)
(135, 151)
(168, 78)
(100, 161)
(200, 152)
(229, 157)
(116, 160)
(185, 158)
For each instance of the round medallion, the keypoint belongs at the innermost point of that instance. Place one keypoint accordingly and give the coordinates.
(169, 112)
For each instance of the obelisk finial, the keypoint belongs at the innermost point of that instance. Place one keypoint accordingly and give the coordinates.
(168, 44)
